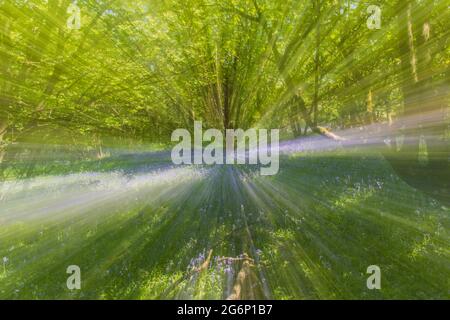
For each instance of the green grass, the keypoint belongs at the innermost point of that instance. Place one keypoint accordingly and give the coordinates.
(35, 168)
(313, 230)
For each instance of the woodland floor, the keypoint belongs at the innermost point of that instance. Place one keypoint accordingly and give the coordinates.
(138, 227)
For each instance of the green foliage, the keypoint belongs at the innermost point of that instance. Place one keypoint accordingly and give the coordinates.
(139, 70)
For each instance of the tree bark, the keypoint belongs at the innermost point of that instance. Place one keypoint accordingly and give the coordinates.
(316, 65)
(5, 58)
(57, 68)
(3, 128)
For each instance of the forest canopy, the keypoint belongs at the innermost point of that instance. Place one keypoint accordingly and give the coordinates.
(136, 70)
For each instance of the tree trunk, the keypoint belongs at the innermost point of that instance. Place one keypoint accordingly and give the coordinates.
(281, 63)
(370, 111)
(58, 67)
(3, 128)
(316, 65)
(5, 57)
